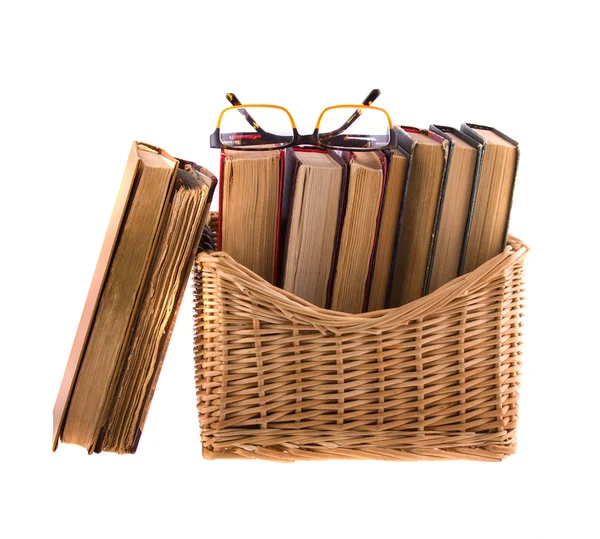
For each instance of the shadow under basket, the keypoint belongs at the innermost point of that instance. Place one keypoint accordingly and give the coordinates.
(280, 379)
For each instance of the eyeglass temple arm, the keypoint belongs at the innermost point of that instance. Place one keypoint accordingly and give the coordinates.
(236, 103)
(373, 95)
(368, 101)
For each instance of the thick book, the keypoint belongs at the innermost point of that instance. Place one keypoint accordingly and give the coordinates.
(250, 208)
(313, 198)
(132, 304)
(393, 201)
(493, 197)
(420, 219)
(360, 227)
(464, 158)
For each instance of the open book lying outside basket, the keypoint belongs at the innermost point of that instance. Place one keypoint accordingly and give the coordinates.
(280, 379)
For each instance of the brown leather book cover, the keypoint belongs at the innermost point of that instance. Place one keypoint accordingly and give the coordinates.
(114, 231)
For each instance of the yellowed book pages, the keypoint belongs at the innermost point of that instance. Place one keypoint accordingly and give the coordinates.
(386, 243)
(312, 226)
(492, 201)
(250, 191)
(454, 213)
(365, 186)
(170, 272)
(418, 219)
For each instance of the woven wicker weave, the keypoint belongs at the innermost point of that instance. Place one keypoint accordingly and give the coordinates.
(280, 379)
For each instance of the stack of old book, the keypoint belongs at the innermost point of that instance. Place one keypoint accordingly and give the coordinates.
(348, 231)
(363, 231)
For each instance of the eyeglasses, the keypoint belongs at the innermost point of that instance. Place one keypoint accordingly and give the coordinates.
(340, 127)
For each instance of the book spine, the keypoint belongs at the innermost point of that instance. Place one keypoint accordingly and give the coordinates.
(398, 226)
(469, 129)
(448, 147)
(279, 216)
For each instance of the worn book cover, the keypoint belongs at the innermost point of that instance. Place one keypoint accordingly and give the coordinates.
(394, 196)
(463, 167)
(420, 216)
(494, 194)
(132, 304)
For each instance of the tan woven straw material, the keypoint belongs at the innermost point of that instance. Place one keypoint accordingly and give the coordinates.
(280, 379)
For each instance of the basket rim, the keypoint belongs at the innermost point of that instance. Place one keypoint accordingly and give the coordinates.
(292, 306)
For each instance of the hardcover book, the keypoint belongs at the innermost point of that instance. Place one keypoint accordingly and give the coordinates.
(391, 214)
(493, 198)
(420, 219)
(250, 208)
(313, 199)
(132, 304)
(360, 227)
(464, 157)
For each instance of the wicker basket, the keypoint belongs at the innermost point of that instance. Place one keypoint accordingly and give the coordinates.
(280, 379)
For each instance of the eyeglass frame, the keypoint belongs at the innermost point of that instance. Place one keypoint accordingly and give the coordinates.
(303, 140)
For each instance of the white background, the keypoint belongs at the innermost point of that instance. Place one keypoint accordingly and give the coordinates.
(81, 81)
